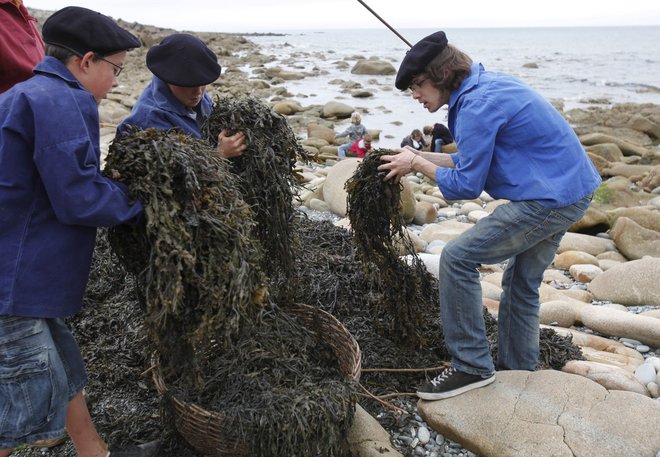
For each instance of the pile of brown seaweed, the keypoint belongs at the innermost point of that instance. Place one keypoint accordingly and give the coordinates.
(280, 388)
(197, 259)
(267, 169)
(342, 283)
(373, 209)
(193, 252)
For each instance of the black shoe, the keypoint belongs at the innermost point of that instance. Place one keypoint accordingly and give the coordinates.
(149, 449)
(450, 383)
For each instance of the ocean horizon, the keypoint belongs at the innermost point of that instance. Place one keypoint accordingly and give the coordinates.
(575, 67)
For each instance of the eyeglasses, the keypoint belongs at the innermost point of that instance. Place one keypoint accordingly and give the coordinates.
(117, 68)
(417, 85)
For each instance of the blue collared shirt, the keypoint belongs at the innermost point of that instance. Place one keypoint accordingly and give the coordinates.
(513, 144)
(158, 108)
(52, 193)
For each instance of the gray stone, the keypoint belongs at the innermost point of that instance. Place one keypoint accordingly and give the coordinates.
(547, 413)
(424, 435)
(613, 322)
(586, 243)
(645, 373)
(373, 67)
(633, 240)
(367, 438)
(630, 283)
(627, 148)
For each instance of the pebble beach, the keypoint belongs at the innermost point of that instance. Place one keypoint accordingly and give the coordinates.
(603, 288)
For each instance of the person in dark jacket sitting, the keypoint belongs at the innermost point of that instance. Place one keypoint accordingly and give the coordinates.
(415, 140)
(440, 136)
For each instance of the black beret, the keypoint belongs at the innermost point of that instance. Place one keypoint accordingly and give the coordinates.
(419, 57)
(183, 60)
(81, 30)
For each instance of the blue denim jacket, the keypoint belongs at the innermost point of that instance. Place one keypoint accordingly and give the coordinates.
(158, 108)
(52, 193)
(513, 144)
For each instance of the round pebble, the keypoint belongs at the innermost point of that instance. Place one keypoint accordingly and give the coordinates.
(642, 348)
(629, 342)
(424, 435)
(645, 373)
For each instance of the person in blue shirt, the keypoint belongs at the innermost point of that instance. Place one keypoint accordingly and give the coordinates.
(176, 97)
(514, 145)
(53, 197)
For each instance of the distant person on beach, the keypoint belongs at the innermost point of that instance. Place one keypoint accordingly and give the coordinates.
(415, 140)
(53, 197)
(440, 135)
(427, 134)
(176, 97)
(514, 145)
(354, 132)
(360, 147)
(21, 46)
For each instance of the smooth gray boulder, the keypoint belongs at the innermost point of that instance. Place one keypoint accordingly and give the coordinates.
(547, 414)
(631, 283)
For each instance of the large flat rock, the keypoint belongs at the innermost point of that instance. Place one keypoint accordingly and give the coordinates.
(548, 414)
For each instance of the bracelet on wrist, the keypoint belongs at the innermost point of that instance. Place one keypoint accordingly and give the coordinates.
(412, 161)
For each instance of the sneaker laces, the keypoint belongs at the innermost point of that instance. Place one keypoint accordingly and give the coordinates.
(442, 377)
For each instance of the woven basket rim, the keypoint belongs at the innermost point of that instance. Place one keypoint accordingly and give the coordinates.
(203, 429)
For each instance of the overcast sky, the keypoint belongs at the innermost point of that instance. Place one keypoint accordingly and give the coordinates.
(277, 15)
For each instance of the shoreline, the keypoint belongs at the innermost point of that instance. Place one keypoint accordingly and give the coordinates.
(237, 53)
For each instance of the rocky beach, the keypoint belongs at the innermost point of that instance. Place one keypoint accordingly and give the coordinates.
(603, 288)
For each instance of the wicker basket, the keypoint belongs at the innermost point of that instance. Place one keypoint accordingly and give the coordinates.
(206, 430)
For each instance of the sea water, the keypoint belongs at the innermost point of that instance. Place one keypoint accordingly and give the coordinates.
(575, 67)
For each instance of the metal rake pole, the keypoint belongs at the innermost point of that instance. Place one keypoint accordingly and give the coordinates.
(386, 24)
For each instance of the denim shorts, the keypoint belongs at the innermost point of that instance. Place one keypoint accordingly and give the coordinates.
(41, 369)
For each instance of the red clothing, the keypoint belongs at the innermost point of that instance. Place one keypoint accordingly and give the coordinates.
(21, 47)
(360, 149)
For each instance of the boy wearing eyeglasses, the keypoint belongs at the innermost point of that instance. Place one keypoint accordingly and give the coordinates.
(52, 198)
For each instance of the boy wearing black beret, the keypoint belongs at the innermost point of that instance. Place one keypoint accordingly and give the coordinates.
(513, 145)
(176, 97)
(52, 198)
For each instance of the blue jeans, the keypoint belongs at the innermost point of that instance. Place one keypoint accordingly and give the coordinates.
(527, 234)
(41, 369)
(342, 150)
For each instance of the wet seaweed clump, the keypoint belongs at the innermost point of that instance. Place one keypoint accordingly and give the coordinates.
(373, 208)
(192, 252)
(555, 350)
(220, 344)
(268, 175)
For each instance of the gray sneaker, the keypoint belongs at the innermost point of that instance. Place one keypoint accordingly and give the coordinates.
(149, 449)
(450, 383)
